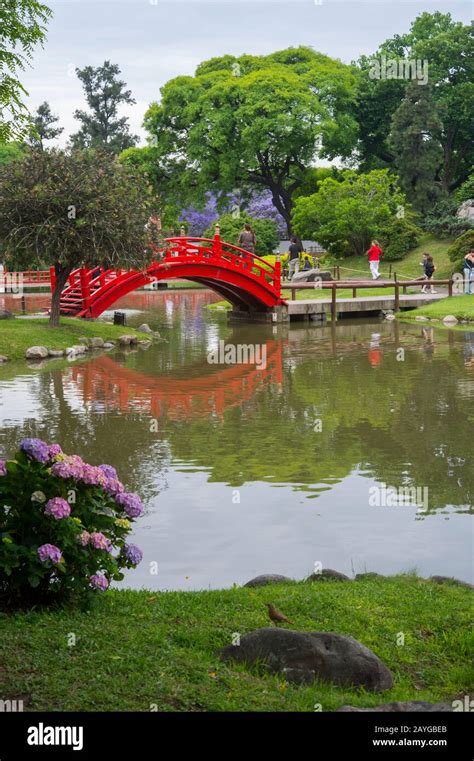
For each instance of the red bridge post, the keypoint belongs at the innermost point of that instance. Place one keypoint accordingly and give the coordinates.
(278, 275)
(217, 241)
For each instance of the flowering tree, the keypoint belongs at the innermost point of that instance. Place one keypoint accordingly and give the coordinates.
(63, 526)
(258, 206)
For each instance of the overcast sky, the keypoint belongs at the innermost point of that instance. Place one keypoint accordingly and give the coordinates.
(155, 40)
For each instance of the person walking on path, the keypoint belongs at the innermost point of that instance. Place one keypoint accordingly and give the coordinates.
(294, 261)
(374, 255)
(468, 273)
(430, 269)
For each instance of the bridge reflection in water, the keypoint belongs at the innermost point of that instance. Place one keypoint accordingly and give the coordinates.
(208, 390)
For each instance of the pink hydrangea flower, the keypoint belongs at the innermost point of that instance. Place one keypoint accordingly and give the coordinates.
(99, 541)
(71, 467)
(54, 450)
(84, 538)
(131, 503)
(98, 581)
(58, 508)
(93, 476)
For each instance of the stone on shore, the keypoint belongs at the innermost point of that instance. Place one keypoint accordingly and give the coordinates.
(450, 319)
(126, 340)
(96, 343)
(145, 328)
(448, 579)
(267, 578)
(328, 574)
(421, 318)
(55, 353)
(36, 352)
(302, 657)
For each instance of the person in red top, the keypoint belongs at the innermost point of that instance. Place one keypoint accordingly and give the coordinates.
(374, 254)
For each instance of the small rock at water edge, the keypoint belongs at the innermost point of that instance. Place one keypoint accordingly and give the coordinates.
(127, 340)
(96, 343)
(450, 319)
(36, 352)
(145, 328)
(267, 578)
(55, 353)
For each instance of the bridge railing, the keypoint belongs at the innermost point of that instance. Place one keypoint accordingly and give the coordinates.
(215, 248)
(337, 285)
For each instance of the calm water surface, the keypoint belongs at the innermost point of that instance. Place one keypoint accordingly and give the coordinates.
(247, 471)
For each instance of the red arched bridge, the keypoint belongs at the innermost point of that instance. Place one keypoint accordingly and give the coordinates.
(247, 281)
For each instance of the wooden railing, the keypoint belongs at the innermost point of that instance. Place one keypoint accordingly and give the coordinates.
(337, 285)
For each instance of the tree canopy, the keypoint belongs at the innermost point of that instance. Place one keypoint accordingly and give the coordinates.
(43, 129)
(102, 127)
(22, 26)
(69, 209)
(253, 121)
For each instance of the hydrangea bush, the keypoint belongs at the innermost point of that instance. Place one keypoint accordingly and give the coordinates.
(63, 526)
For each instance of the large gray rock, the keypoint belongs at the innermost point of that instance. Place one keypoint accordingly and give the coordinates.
(328, 574)
(398, 707)
(36, 352)
(450, 319)
(145, 328)
(303, 657)
(267, 578)
(96, 342)
(447, 579)
(126, 340)
(310, 276)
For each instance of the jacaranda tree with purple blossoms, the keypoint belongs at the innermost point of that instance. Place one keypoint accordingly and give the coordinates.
(63, 526)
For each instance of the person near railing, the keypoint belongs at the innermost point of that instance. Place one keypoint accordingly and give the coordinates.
(294, 258)
(429, 270)
(468, 273)
(374, 254)
(248, 241)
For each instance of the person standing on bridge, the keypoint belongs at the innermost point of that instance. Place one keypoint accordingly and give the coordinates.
(247, 239)
(374, 255)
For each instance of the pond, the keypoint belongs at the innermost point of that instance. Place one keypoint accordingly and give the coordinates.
(249, 469)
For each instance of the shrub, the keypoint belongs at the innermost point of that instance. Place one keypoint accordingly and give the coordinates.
(442, 219)
(459, 248)
(265, 231)
(63, 526)
(399, 238)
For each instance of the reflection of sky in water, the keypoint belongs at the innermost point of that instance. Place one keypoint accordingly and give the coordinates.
(227, 431)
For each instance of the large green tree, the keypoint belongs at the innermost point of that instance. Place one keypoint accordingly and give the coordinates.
(253, 121)
(102, 127)
(415, 140)
(72, 209)
(345, 215)
(22, 26)
(447, 48)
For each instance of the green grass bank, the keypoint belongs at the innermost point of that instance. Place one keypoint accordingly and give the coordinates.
(142, 651)
(461, 307)
(17, 335)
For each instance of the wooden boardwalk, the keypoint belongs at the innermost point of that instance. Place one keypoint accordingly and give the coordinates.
(304, 308)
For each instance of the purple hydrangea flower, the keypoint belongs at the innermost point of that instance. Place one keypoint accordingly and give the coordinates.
(108, 471)
(93, 476)
(133, 553)
(54, 450)
(131, 503)
(98, 581)
(99, 541)
(113, 486)
(36, 449)
(49, 552)
(71, 467)
(58, 508)
(3, 467)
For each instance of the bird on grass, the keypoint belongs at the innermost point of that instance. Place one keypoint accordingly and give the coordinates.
(276, 615)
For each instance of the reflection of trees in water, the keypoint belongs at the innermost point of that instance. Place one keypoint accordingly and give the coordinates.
(121, 440)
(401, 423)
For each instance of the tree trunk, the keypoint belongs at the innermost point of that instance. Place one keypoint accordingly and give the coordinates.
(61, 279)
(282, 202)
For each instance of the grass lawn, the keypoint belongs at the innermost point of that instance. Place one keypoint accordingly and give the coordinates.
(17, 335)
(461, 307)
(409, 266)
(135, 650)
